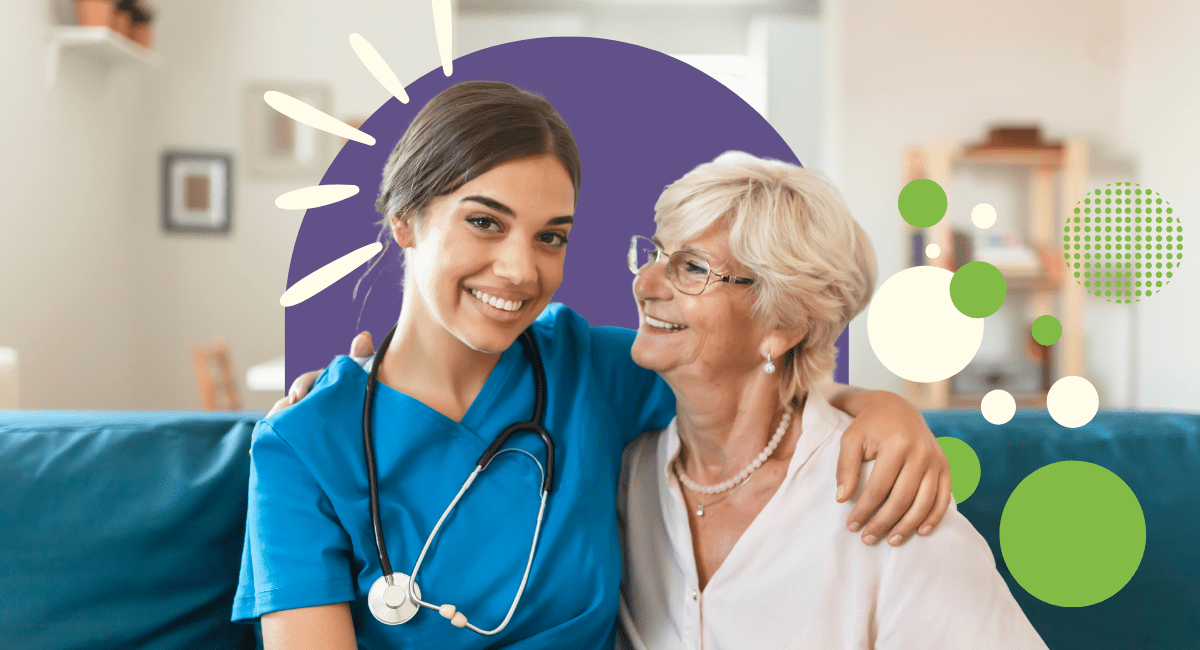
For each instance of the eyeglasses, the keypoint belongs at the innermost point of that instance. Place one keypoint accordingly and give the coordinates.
(688, 272)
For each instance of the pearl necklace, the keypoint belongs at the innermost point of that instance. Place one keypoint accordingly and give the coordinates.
(745, 473)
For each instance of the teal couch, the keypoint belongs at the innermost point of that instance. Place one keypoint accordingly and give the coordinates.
(125, 530)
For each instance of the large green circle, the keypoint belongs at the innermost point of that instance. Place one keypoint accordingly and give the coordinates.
(922, 203)
(1046, 329)
(977, 289)
(1072, 534)
(964, 467)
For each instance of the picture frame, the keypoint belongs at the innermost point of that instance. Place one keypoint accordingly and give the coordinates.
(278, 147)
(197, 192)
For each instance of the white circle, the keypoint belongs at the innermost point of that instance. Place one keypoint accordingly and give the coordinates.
(1072, 401)
(998, 406)
(916, 331)
(983, 215)
(932, 251)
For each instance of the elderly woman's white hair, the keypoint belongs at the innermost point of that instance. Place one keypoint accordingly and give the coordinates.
(814, 265)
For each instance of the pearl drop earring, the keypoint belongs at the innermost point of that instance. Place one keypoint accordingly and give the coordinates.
(769, 367)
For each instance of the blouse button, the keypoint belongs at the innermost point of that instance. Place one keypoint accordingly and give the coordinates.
(695, 594)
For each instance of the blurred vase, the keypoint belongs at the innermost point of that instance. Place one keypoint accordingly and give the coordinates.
(142, 34)
(123, 22)
(95, 13)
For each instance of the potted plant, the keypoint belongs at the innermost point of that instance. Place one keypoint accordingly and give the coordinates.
(141, 32)
(123, 19)
(95, 13)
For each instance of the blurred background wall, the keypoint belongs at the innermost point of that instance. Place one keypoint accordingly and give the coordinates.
(103, 305)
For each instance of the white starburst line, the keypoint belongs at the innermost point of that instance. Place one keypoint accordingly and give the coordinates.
(378, 67)
(319, 195)
(315, 196)
(442, 26)
(305, 114)
(317, 281)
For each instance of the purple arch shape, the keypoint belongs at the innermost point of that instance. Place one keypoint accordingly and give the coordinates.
(641, 120)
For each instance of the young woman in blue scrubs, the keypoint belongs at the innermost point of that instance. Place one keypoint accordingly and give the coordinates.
(480, 193)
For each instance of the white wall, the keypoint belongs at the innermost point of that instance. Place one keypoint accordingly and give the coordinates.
(193, 288)
(926, 69)
(102, 304)
(66, 218)
(1162, 97)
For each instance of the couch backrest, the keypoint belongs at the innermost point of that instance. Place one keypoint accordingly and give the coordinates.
(122, 530)
(1158, 457)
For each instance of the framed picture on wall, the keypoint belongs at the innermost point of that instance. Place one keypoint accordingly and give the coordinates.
(197, 192)
(278, 147)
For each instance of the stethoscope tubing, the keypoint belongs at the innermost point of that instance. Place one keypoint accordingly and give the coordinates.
(493, 450)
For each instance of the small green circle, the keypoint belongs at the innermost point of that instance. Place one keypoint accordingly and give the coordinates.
(922, 203)
(978, 289)
(1049, 540)
(1046, 330)
(964, 467)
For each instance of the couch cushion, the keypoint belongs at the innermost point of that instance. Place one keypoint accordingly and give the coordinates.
(122, 529)
(1158, 456)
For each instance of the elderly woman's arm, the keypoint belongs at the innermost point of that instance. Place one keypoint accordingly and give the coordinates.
(910, 472)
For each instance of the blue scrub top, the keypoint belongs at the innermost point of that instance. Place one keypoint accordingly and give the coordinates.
(309, 538)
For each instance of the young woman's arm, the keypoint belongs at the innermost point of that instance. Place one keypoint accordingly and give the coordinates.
(327, 627)
(893, 432)
(909, 489)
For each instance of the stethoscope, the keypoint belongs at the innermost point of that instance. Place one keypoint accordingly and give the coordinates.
(395, 597)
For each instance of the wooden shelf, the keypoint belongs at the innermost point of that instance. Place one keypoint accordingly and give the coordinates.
(1052, 290)
(98, 44)
(1031, 157)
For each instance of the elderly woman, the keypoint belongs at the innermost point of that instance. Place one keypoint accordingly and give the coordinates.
(730, 542)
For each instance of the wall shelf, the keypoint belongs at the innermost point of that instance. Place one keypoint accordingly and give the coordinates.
(95, 43)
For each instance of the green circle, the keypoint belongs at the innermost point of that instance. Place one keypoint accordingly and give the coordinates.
(964, 467)
(977, 289)
(1050, 540)
(922, 203)
(1046, 330)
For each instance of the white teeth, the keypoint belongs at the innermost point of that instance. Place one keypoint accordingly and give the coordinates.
(506, 305)
(663, 325)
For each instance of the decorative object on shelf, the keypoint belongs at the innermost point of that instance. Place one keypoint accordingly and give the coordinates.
(123, 18)
(278, 146)
(95, 13)
(1007, 138)
(197, 192)
(141, 31)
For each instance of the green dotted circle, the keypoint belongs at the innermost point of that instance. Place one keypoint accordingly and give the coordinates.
(964, 467)
(1124, 240)
(922, 203)
(1046, 329)
(1050, 534)
(978, 289)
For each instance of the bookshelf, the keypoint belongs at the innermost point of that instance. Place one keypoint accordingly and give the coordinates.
(1049, 288)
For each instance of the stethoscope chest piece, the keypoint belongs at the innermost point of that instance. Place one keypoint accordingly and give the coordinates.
(390, 603)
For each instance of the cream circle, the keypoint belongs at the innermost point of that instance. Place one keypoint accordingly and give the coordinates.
(998, 406)
(1072, 401)
(915, 329)
(932, 251)
(983, 215)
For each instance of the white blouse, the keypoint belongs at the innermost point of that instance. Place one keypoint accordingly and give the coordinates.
(797, 578)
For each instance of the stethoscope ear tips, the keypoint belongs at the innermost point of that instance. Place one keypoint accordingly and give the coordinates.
(390, 604)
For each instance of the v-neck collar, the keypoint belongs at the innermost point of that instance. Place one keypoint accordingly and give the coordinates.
(817, 423)
(476, 413)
